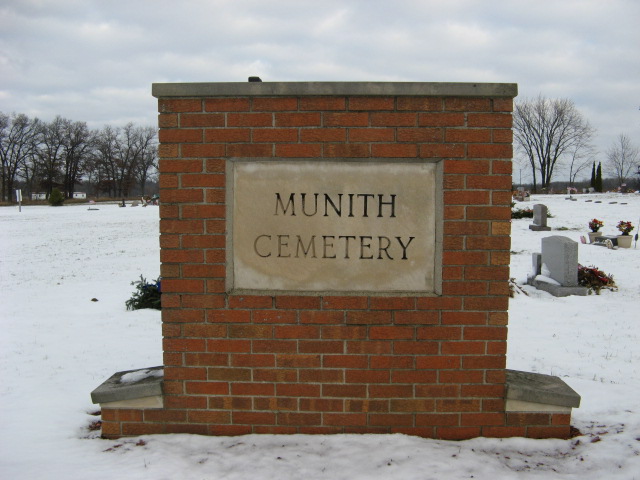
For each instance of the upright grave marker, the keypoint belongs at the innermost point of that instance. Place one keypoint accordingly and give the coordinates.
(334, 259)
(555, 268)
(540, 213)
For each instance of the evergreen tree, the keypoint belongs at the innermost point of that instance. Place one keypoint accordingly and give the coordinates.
(593, 175)
(56, 199)
(598, 185)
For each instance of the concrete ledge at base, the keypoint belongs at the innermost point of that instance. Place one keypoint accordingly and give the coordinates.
(539, 228)
(139, 386)
(436, 89)
(528, 391)
(557, 290)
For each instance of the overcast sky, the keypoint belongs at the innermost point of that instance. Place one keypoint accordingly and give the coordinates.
(95, 60)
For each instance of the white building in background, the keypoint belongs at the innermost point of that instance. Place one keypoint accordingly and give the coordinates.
(43, 196)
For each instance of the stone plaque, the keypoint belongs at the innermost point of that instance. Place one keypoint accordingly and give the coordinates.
(324, 227)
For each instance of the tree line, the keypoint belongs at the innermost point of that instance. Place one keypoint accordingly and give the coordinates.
(552, 135)
(63, 153)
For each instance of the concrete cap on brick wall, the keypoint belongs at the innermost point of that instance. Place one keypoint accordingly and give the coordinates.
(433, 89)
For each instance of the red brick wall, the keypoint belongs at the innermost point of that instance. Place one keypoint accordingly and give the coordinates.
(430, 366)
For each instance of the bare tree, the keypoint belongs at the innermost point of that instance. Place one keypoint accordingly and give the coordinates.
(4, 134)
(78, 142)
(546, 131)
(147, 163)
(95, 171)
(128, 156)
(580, 158)
(4, 128)
(18, 139)
(623, 158)
(105, 159)
(51, 153)
(31, 173)
(147, 167)
(124, 156)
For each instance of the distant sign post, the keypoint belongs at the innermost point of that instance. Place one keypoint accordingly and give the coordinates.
(19, 199)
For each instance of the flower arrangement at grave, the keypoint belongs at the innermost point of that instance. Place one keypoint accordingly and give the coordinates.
(147, 295)
(595, 225)
(625, 227)
(595, 279)
(522, 213)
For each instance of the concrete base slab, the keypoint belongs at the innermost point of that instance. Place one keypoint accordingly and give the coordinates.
(130, 385)
(535, 388)
(526, 392)
(557, 290)
(538, 228)
(533, 407)
(156, 401)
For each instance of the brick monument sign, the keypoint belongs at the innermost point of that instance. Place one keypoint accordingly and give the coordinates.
(335, 259)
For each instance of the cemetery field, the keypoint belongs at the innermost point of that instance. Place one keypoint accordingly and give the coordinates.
(65, 274)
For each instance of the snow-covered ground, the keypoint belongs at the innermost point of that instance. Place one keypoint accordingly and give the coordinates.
(56, 345)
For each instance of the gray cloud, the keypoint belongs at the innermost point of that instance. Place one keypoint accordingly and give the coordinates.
(95, 60)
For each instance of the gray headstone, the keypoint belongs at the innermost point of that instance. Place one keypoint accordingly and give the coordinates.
(540, 215)
(560, 260)
(536, 263)
(539, 218)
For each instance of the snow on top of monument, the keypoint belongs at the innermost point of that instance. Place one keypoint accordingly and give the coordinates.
(138, 375)
(57, 345)
(547, 279)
